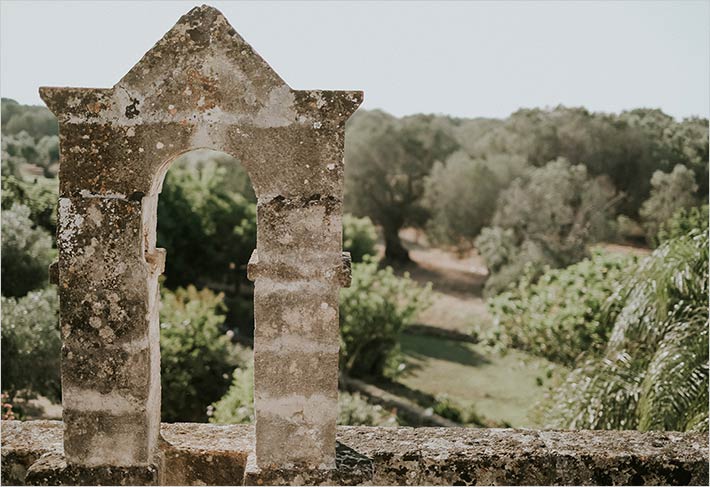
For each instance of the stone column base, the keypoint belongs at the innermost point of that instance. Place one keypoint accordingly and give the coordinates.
(351, 468)
(52, 469)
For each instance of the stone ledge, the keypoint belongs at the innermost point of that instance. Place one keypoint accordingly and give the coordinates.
(206, 454)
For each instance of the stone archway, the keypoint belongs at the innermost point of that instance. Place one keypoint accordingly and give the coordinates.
(200, 86)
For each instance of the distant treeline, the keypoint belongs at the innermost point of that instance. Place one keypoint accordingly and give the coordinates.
(538, 186)
(535, 187)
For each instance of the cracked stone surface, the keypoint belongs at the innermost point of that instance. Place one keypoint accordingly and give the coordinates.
(201, 86)
(210, 454)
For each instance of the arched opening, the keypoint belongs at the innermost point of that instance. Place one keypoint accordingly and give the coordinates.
(206, 222)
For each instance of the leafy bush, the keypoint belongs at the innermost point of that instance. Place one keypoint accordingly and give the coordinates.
(237, 405)
(669, 193)
(654, 372)
(354, 410)
(26, 252)
(373, 312)
(359, 236)
(507, 261)
(559, 317)
(683, 222)
(461, 195)
(197, 215)
(197, 358)
(31, 344)
(48, 155)
(40, 196)
(547, 219)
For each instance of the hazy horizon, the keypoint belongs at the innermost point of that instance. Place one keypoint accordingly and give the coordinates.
(475, 59)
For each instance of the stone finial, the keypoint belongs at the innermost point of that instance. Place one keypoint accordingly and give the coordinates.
(200, 86)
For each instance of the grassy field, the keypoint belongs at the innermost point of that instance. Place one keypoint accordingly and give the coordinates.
(501, 388)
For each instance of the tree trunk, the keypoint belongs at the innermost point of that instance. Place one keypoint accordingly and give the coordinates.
(394, 250)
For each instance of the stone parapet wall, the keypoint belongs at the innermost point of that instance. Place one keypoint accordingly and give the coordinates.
(207, 454)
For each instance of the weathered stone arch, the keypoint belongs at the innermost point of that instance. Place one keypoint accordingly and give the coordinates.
(200, 86)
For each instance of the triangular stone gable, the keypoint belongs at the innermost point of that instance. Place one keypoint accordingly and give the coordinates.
(202, 64)
(201, 71)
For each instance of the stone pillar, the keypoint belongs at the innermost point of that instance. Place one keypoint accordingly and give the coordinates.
(109, 327)
(297, 269)
(200, 86)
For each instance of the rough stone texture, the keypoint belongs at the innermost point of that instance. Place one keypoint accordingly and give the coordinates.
(52, 469)
(200, 86)
(206, 454)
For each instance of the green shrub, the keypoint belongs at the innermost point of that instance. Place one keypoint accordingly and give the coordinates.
(26, 252)
(448, 408)
(559, 316)
(654, 372)
(31, 344)
(461, 195)
(40, 196)
(683, 222)
(359, 237)
(669, 193)
(547, 218)
(197, 215)
(197, 358)
(354, 410)
(237, 405)
(373, 312)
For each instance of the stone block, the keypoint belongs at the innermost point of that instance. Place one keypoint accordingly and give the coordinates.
(368, 455)
(305, 230)
(104, 284)
(351, 468)
(296, 432)
(113, 436)
(297, 369)
(304, 310)
(52, 469)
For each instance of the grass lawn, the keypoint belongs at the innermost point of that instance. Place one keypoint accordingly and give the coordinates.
(501, 388)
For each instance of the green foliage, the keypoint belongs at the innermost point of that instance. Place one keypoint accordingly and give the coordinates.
(546, 218)
(31, 344)
(197, 358)
(683, 222)
(359, 237)
(237, 405)
(40, 196)
(26, 252)
(197, 215)
(48, 155)
(654, 373)
(233, 176)
(627, 147)
(559, 316)
(669, 193)
(388, 160)
(37, 121)
(461, 195)
(354, 410)
(373, 312)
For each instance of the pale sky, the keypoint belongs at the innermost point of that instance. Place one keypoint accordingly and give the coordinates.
(463, 59)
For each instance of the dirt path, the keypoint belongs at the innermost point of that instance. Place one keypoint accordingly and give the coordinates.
(457, 283)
